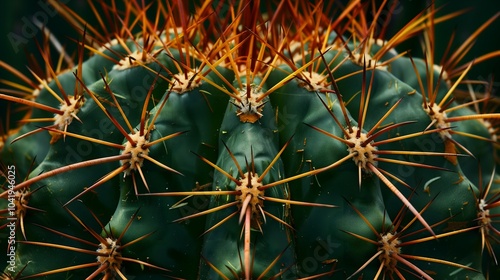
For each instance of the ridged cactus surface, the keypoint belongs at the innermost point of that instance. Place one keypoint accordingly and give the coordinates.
(250, 140)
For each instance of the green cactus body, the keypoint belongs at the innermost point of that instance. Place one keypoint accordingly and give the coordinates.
(222, 146)
(310, 150)
(269, 238)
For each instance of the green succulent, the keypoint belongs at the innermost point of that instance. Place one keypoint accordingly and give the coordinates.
(249, 140)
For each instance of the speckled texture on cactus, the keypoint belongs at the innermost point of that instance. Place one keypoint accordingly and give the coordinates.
(249, 140)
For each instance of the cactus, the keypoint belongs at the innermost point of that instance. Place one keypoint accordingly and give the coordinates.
(249, 140)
